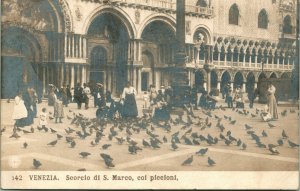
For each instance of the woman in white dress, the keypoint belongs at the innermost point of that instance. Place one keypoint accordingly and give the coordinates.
(129, 107)
(272, 104)
(20, 111)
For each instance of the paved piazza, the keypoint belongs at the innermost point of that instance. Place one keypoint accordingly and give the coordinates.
(228, 158)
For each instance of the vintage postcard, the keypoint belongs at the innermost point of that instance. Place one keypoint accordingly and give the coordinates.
(149, 94)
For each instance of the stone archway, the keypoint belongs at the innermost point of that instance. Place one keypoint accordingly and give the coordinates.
(21, 58)
(109, 31)
(238, 80)
(199, 79)
(158, 39)
(98, 59)
(148, 73)
(225, 79)
(250, 84)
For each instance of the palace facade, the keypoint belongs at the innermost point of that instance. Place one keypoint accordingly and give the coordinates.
(113, 41)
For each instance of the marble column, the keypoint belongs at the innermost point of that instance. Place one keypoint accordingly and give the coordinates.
(244, 86)
(197, 56)
(84, 52)
(208, 81)
(80, 46)
(83, 74)
(255, 84)
(62, 74)
(139, 86)
(67, 80)
(66, 44)
(219, 85)
(73, 46)
(78, 74)
(109, 82)
(72, 77)
(44, 79)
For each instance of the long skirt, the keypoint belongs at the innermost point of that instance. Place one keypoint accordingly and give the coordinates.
(272, 105)
(129, 107)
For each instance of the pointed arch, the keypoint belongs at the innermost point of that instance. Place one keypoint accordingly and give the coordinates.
(263, 19)
(234, 15)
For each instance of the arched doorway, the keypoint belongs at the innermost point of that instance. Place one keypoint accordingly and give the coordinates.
(98, 65)
(199, 79)
(238, 80)
(225, 79)
(262, 87)
(108, 30)
(148, 71)
(250, 81)
(213, 80)
(158, 39)
(20, 58)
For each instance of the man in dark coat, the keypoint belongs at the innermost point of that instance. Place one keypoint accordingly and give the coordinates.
(78, 95)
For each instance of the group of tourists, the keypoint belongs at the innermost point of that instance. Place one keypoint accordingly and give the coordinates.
(160, 101)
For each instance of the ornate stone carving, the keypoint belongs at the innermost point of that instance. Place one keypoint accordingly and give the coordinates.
(137, 16)
(67, 15)
(78, 13)
(188, 27)
(26, 13)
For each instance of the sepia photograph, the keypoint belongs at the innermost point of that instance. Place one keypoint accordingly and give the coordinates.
(140, 94)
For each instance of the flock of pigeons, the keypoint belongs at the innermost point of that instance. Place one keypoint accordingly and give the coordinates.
(186, 129)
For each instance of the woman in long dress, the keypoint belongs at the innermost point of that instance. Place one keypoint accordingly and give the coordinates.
(129, 107)
(20, 112)
(272, 104)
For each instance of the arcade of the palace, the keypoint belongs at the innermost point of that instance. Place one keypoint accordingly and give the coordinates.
(113, 41)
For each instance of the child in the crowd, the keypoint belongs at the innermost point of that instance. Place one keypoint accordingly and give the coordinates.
(58, 110)
(145, 97)
(43, 118)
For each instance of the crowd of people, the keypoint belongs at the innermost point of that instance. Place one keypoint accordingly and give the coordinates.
(159, 102)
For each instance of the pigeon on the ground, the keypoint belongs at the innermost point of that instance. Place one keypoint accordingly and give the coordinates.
(174, 146)
(202, 151)
(105, 146)
(84, 154)
(271, 125)
(280, 142)
(146, 144)
(25, 145)
(284, 135)
(292, 144)
(59, 136)
(52, 130)
(109, 163)
(52, 143)
(72, 144)
(188, 161)
(165, 139)
(239, 142)
(248, 127)
(105, 156)
(264, 134)
(210, 161)
(36, 163)
(244, 146)
(15, 135)
(132, 149)
(273, 149)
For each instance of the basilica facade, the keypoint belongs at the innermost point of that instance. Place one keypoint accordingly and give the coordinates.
(113, 41)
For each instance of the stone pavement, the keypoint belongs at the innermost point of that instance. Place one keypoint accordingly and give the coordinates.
(228, 158)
